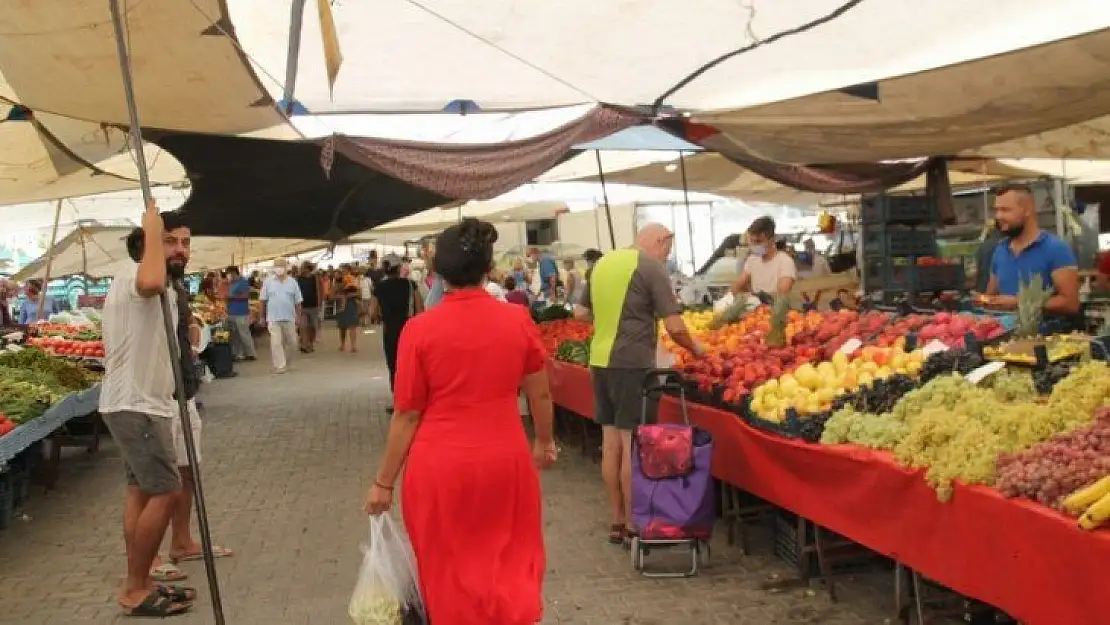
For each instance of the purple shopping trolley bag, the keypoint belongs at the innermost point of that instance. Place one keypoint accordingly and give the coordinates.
(672, 488)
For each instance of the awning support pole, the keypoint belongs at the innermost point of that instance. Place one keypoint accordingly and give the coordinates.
(605, 197)
(686, 200)
(41, 313)
(168, 319)
(293, 55)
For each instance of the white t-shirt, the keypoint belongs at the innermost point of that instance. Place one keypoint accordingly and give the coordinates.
(765, 274)
(138, 374)
(366, 285)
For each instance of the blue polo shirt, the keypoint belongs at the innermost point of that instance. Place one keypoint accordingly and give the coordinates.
(548, 268)
(1045, 254)
(239, 307)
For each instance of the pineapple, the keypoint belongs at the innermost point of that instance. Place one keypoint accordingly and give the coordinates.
(1031, 299)
(779, 309)
(735, 312)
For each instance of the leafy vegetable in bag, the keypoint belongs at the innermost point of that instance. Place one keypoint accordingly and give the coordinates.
(387, 592)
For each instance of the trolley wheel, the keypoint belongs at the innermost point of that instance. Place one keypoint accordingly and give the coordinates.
(704, 552)
(636, 553)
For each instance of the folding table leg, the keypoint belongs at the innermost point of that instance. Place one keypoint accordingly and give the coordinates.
(823, 562)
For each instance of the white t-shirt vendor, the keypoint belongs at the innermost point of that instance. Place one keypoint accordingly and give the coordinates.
(766, 270)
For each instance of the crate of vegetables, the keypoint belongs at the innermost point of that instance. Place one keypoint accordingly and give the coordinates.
(69, 347)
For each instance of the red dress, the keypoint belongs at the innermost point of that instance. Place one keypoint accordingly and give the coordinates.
(470, 493)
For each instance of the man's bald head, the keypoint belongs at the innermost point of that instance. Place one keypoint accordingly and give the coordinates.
(655, 240)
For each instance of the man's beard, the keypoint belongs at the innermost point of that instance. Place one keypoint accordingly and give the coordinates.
(175, 268)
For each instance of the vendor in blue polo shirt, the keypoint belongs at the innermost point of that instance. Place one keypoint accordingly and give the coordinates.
(1028, 253)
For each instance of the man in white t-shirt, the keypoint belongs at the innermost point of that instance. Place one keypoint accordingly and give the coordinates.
(138, 406)
(767, 270)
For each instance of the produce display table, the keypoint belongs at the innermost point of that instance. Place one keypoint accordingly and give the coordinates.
(1021, 557)
(72, 406)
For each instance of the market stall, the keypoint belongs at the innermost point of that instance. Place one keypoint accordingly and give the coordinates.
(981, 520)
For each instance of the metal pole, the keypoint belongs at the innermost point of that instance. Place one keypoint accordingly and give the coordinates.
(686, 200)
(296, 20)
(49, 261)
(168, 319)
(605, 197)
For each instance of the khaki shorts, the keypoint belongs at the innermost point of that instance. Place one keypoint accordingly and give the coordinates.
(146, 443)
(179, 436)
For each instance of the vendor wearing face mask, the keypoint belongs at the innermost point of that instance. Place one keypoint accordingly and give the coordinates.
(1027, 253)
(766, 270)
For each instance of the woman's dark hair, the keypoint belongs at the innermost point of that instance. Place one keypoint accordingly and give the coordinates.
(592, 255)
(510, 283)
(464, 252)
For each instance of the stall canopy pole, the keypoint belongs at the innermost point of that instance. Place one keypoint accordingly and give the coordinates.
(605, 197)
(686, 200)
(49, 262)
(168, 318)
(83, 234)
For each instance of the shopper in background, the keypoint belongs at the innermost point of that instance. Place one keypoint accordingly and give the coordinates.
(396, 300)
(29, 311)
(628, 292)
(810, 264)
(311, 285)
(493, 286)
(514, 295)
(520, 274)
(548, 270)
(472, 507)
(348, 305)
(766, 270)
(138, 405)
(239, 315)
(591, 256)
(983, 256)
(281, 308)
(366, 293)
(575, 284)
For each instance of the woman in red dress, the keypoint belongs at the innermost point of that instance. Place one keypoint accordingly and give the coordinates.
(472, 503)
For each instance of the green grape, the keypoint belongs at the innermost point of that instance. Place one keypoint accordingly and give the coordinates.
(1009, 385)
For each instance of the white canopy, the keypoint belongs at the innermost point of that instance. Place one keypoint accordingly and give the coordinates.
(436, 219)
(119, 208)
(516, 54)
(48, 157)
(100, 251)
(1050, 101)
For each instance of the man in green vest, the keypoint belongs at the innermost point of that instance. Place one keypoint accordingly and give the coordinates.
(627, 293)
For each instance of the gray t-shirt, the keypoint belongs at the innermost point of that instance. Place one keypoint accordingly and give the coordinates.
(628, 292)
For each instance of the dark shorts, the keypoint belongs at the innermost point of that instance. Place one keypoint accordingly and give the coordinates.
(149, 457)
(617, 398)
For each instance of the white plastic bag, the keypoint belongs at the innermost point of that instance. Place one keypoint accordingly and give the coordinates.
(722, 304)
(387, 592)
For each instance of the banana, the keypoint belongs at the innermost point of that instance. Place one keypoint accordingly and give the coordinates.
(1096, 514)
(1081, 499)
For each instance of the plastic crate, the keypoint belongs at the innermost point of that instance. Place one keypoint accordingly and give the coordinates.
(899, 241)
(946, 277)
(884, 273)
(898, 209)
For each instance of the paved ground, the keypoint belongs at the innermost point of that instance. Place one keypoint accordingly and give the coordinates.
(287, 460)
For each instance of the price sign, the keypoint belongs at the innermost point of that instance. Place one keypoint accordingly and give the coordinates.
(981, 373)
(850, 346)
(934, 347)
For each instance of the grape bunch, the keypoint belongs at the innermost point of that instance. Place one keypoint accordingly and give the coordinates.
(812, 428)
(1050, 471)
(1045, 379)
(882, 395)
(1011, 386)
(950, 361)
(848, 425)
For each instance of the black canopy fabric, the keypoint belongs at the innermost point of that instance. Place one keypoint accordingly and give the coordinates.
(337, 187)
(278, 189)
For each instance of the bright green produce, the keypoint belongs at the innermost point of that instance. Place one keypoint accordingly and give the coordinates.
(956, 430)
(68, 375)
(577, 352)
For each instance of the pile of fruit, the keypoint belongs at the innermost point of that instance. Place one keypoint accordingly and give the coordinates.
(6, 424)
(554, 333)
(74, 341)
(957, 430)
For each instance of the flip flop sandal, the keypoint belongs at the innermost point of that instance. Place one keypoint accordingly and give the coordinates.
(157, 606)
(217, 552)
(616, 534)
(178, 594)
(167, 572)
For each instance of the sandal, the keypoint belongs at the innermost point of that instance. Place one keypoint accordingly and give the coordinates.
(617, 534)
(156, 605)
(175, 593)
(167, 572)
(217, 552)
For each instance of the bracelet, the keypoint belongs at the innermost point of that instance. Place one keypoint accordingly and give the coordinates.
(383, 486)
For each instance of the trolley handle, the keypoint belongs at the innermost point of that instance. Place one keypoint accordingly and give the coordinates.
(662, 380)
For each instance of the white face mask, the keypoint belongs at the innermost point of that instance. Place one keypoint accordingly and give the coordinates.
(279, 271)
(758, 250)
